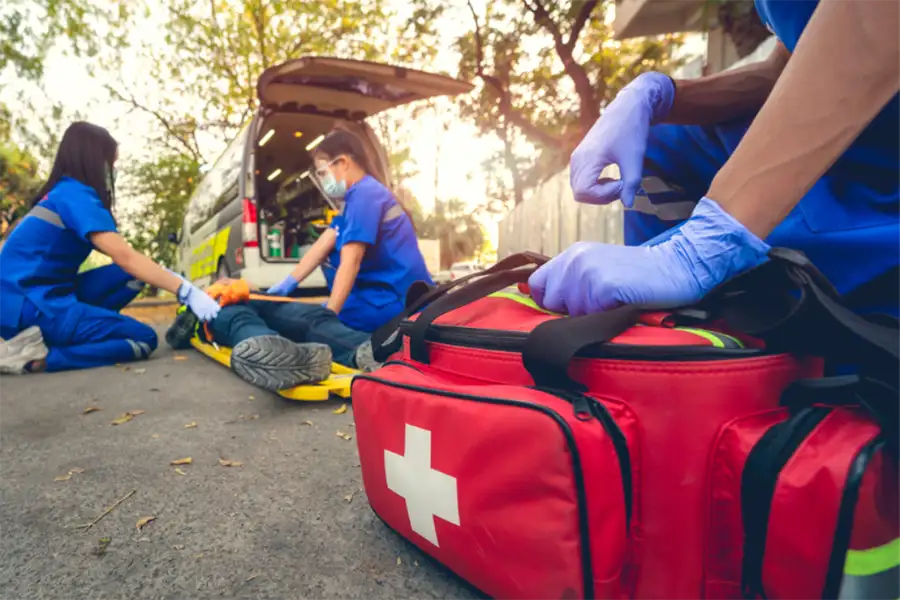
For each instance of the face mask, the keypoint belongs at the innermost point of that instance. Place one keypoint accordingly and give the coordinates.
(334, 188)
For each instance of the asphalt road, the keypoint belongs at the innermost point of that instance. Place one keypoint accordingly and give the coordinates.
(292, 522)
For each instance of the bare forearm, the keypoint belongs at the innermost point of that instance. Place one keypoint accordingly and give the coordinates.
(314, 256)
(343, 283)
(842, 73)
(134, 263)
(725, 96)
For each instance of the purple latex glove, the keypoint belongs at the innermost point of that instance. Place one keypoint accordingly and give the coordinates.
(620, 137)
(710, 248)
(287, 285)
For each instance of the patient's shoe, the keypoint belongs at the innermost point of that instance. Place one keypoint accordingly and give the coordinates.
(25, 348)
(276, 363)
(365, 360)
(179, 335)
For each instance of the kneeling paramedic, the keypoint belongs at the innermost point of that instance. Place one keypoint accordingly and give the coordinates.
(53, 318)
(370, 256)
(799, 151)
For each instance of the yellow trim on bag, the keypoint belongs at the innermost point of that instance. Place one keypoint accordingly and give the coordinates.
(523, 300)
(874, 560)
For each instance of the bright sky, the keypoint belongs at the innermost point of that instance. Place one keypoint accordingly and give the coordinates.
(457, 152)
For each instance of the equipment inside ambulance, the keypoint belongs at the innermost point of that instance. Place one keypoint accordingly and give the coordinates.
(257, 210)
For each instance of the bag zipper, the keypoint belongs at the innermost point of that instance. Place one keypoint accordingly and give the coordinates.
(514, 341)
(835, 575)
(764, 464)
(583, 406)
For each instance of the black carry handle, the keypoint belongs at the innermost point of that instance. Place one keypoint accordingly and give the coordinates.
(418, 349)
(552, 345)
(386, 340)
(788, 303)
(877, 397)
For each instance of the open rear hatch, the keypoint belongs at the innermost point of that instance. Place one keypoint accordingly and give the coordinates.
(348, 89)
(302, 100)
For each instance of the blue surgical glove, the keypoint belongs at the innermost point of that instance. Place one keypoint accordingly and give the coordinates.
(288, 285)
(710, 248)
(198, 301)
(620, 137)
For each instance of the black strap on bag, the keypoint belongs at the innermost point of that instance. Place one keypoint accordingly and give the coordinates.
(788, 303)
(551, 345)
(386, 340)
(418, 349)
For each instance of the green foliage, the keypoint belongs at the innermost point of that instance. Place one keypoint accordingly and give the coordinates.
(19, 180)
(30, 28)
(159, 191)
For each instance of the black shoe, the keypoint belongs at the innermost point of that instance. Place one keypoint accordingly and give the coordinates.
(179, 335)
(276, 363)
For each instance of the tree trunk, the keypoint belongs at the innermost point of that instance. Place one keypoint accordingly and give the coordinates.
(509, 158)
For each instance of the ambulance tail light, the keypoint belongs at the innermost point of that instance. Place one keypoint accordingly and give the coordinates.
(249, 222)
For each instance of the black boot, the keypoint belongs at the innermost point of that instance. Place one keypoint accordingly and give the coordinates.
(276, 363)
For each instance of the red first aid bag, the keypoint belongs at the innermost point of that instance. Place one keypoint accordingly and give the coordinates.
(541, 456)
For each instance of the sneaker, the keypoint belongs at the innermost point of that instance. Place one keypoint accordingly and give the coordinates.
(276, 363)
(26, 347)
(365, 360)
(179, 335)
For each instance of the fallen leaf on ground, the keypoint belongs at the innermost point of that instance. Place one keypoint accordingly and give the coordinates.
(155, 436)
(190, 425)
(123, 419)
(135, 413)
(307, 423)
(180, 472)
(251, 578)
(399, 562)
(251, 398)
(415, 562)
(144, 521)
(90, 409)
(74, 470)
(179, 357)
(230, 463)
(102, 545)
(178, 547)
(198, 556)
(140, 371)
(252, 417)
(349, 497)
(182, 461)
(65, 477)
(341, 410)
(346, 436)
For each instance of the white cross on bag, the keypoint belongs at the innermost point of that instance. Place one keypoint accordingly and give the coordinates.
(428, 493)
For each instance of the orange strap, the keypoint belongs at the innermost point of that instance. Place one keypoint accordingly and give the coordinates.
(236, 291)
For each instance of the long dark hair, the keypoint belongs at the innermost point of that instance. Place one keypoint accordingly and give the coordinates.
(340, 141)
(86, 154)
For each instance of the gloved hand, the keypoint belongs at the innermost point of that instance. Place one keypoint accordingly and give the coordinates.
(198, 301)
(288, 285)
(710, 248)
(620, 137)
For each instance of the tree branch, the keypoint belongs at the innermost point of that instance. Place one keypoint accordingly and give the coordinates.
(511, 115)
(192, 150)
(580, 21)
(542, 18)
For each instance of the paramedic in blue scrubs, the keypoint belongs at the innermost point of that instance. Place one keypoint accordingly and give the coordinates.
(53, 318)
(370, 256)
(800, 151)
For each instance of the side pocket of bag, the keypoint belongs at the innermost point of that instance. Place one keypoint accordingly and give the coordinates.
(724, 532)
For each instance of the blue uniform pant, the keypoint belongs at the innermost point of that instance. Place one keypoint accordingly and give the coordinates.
(847, 223)
(90, 332)
(295, 321)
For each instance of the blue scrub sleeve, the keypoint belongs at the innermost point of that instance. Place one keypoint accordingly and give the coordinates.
(83, 213)
(362, 220)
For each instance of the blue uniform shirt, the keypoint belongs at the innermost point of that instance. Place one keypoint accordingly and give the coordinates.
(392, 261)
(848, 223)
(41, 258)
